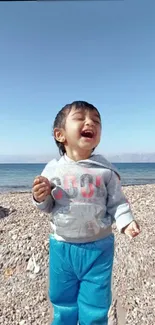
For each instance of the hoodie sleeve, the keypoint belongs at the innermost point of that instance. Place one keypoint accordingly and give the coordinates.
(47, 205)
(117, 204)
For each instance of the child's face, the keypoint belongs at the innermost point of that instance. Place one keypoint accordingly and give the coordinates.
(82, 129)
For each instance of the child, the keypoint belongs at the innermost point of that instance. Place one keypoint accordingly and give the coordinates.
(82, 192)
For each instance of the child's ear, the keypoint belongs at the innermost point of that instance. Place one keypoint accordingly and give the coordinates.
(59, 135)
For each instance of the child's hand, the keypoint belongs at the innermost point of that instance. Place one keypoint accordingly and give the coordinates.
(41, 188)
(132, 230)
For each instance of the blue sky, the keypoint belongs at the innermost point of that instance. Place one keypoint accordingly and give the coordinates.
(52, 53)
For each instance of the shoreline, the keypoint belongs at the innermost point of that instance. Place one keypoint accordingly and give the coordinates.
(30, 191)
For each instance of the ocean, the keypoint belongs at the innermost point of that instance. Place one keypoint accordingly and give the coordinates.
(19, 177)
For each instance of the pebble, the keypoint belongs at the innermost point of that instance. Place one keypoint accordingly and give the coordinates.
(22, 322)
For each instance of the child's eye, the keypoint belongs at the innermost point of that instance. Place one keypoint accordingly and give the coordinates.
(97, 122)
(80, 118)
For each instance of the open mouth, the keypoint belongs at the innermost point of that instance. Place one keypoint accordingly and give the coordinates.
(87, 134)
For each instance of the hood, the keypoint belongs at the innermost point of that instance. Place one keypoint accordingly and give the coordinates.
(95, 160)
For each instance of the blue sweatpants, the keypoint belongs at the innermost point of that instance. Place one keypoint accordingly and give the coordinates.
(80, 281)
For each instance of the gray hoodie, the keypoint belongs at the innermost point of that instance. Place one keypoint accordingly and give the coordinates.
(86, 200)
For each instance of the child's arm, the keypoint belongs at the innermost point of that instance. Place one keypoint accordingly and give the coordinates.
(42, 198)
(119, 208)
(42, 188)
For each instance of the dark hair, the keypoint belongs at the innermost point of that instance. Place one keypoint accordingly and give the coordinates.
(60, 119)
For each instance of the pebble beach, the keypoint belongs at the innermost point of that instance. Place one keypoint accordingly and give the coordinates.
(24, 233)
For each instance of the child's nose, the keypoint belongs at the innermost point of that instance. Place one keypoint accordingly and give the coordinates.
(89, 122)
